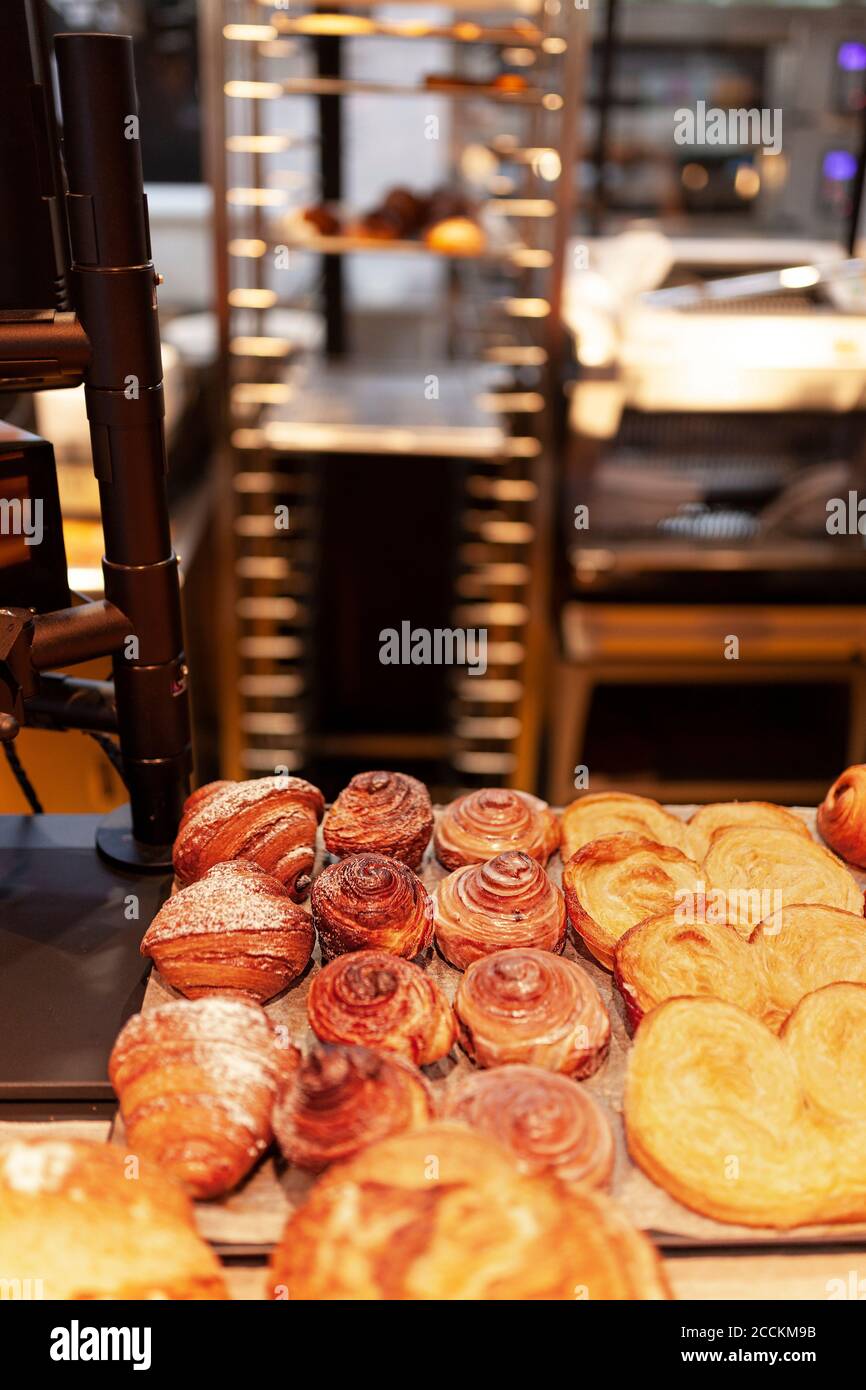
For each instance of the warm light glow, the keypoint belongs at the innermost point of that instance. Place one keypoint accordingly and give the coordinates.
(527, 308)
(799, 277)
(260, 347)
(547, 165)
(247, 246)
(256, 197)
(478, 163)
(694, 177)
(554, 45)
(258, 144)
(531, 258)
(518, 57)
(249, 33)
(552, 101)
(261, 393)
(257, 91)
(252, 299)
(747, 182)
(516, 355)
(524, 207)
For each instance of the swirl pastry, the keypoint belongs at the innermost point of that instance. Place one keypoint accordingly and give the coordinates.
(369, 901)
(523, 1005)
(196, 1084)
(748, 1127)
(342, 1098)
(550, 1124)
(271, 821)
(842, 815)
(380, 1001)
(74, 1226)
(608, 813)
(760, 871)
(482, 824)
(619, 880)
(235, 931)
(382, 811)
(446, 1214)
(509, 901)
(726, 815)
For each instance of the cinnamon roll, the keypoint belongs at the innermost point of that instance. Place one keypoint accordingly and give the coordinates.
(760, 871)
(509, 901)
(196, 1084)
(842, 815)
(234, 931)
(385, 812)
(76, 1224)
(445, 1214)
(271, 821)
(601, 814)
(725, 815)
(549, 1123)
(383, 1002)
(369, 901)
(531, 1006)
(342, 1098)
(619, 880)
(484, 823)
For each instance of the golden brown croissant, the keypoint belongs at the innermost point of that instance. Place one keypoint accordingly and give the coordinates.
(725, 815)
(757, 871)
(608, 813)
(443, 1213)
(509, 901)
(342, 1098)
(619, 880)
(235, 931)
(384, 1002)
(484, 823)
(369, 901)
(196, 1084)
(271, 821)
(747, 1127)
(77, 1221)
(550, 1124)
(386, 812)
(842, 815)
(531, 1006)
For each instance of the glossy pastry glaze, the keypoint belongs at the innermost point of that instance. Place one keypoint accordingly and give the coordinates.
(842, 815)
(487, 822)
(371, 902)
(509, 901)
(380, 1001)
(385, 812)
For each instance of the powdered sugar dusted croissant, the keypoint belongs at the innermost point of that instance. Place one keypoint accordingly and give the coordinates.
(370, 901)
(235, 931)
(385, 812)
(381, 1001)
(270, 820)
(484, 823)
(509, 901)
(196, 1083)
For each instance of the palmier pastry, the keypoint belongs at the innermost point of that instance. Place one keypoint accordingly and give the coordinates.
(342, 1098)
(77, 1223)
(383, 1002)
(196, 1084)
(385, 812)
(748, 1127)
(549, 1123)
(443, 1214)
(271, 821)
(235, 931)
(842, 815)
(370, 901)
(509, 901)
(619, 880)
(607, 813)
(484, 823)
(725, 815)
(762, 870)
(532, 1006)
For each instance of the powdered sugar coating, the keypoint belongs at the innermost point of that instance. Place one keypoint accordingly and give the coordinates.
(36, 1167)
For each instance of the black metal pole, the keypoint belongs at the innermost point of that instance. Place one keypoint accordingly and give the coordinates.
(329, 57)
(605, 100)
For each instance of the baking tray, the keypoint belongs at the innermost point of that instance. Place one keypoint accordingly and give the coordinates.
(252, 1217)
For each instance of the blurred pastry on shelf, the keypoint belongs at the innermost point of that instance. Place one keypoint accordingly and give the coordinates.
(510, 82)
(456, 236)
(321, 219)
(378, 1000)
(337, 25)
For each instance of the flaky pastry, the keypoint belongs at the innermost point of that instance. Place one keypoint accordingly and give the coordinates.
(371, 902)
(842, 815)
(725, 815)
(478, 826)
(509, 901)
(758, 870)
(381, 812)
(608, 813)
(381, 1001)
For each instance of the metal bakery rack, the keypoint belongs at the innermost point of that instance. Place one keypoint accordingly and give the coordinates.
(297, 387)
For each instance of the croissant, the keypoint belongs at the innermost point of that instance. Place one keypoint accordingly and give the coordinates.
(445, 1214)
(387, 812)
(484, 823)
(196, 1084)
(509, 901)
(523, 1005)
(757, 872)
(271, 820)
(617, 881)
(725, 815)
(785, 958)
(342, 1098)
(381, 1001)
(601, 814)
(371, 901)
(748, 1127)
(842, 815)
(550, 1124)
(73, 1226)
(235, 931)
